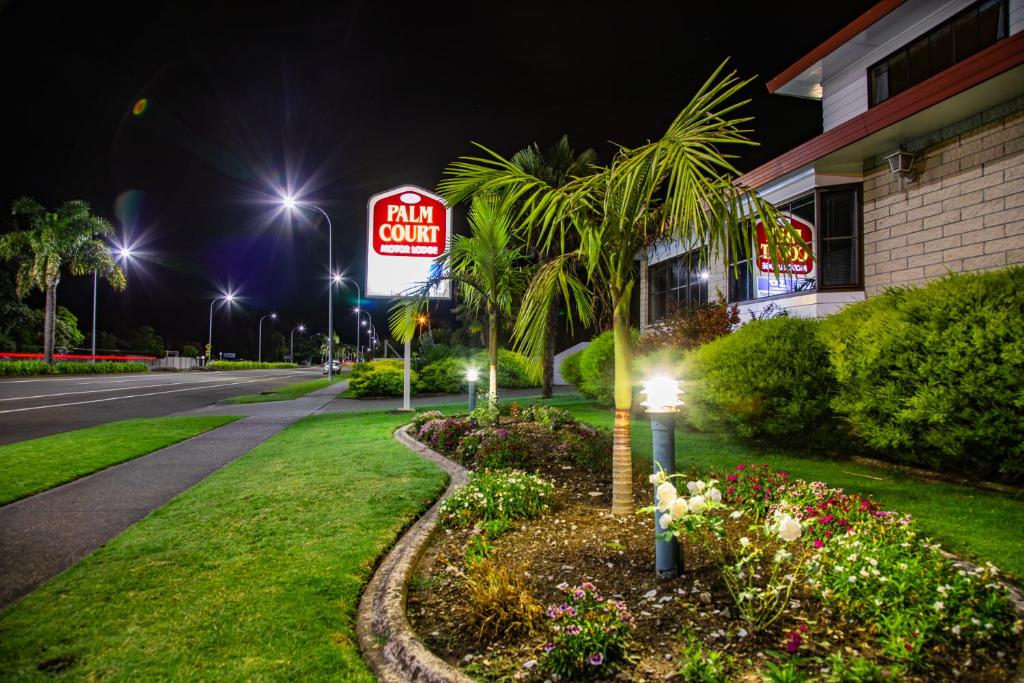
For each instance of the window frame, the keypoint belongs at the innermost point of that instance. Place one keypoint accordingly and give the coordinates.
(698, 253)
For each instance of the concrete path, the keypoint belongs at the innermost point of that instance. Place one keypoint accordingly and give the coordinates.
(45, 534)
(351, 405)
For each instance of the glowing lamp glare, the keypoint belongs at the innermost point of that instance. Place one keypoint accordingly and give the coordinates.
(662, 395)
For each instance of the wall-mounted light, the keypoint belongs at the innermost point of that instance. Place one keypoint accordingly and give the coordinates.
(901, 164)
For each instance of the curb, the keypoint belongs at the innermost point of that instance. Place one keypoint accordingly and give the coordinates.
(387, 642)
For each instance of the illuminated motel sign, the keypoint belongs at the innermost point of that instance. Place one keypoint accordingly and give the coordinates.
(407, 229)
(795, 262)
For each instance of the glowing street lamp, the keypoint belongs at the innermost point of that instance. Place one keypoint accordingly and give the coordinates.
(472, 375)
(291, 204)
(662, 403)
(123, 254)
(259, 352)
(228, 299)
(291, 341)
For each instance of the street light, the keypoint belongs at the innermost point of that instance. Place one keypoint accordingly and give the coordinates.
(259, 352)
(290, 204)
(663, 403)
(359, 301)
(123, 254)
(472, 375)
(227, 298)
(291, 340)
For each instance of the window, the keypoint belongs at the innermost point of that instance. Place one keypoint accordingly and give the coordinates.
(676, 283)
(952, 41)
(829, 223)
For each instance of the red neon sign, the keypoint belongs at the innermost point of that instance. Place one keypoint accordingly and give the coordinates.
(408, 223)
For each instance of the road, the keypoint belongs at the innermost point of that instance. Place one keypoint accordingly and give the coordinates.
(36, 406)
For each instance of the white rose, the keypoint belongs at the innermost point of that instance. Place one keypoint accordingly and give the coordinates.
(744, 541)
(665, 520)
(697, 504)
(666, 494)
(678, 508)
(695, 487)
(714, 495)
(790, 529)
(654, 478)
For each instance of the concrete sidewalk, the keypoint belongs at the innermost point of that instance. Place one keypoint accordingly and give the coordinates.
(43, 535)
(352, 405)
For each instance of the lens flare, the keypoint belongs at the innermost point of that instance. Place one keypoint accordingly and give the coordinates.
(140, 106)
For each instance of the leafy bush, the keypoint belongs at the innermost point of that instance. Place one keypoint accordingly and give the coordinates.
(421, 419)
(688, 328)
(935, 376)
(507, 495)
(571, 372)
(189, 351)
(590, 634)
(247, 365)
(379, 378)
(597, 368)
(38, 367)
(18, 368)
(591, 450)
(447, 376)
(768, 379)
(500, 449)
(515, 371)
(552, 418)
(445, 433)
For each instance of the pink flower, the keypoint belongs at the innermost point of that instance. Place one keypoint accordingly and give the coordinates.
(732, 477)
(818, 543)
(596, 659)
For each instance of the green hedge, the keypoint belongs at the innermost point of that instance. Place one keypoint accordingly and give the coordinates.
(770, 378)
(515, 371)
(597, 368)
(38, 367)
(570, 369)
(447, 376)
(247, 365)
(935, 376)
(378, 378)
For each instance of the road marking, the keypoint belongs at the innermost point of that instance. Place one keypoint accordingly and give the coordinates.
(119, 398)
(131, 388)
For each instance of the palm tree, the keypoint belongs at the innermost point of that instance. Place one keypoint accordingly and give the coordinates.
(69, 237)
(680, 186)
(556, 166)
(486, 267)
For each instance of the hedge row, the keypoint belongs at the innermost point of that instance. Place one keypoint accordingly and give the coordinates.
(932, 376)
(446, 376)
(247, 365)
(22, 368)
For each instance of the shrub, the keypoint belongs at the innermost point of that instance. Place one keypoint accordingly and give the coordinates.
(515, 371)
(38, 367)
(499, 449)
(571, 369)
(506, 495)
(379, 378)
(18, 368)
(768, 379)
(688, 328)
(500, 601)
(590, 450)
(590, 634)
(445, 433)
(935, 376)
(552, 418)
(447, 376)
(189, 351)
(247, 365)
(421, 419)
(597, 368)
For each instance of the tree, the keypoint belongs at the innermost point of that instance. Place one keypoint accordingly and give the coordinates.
(106, 341)
(66, 334)
(555, 166)
(189, 351)
(146, 341)
(680, 186)
(487, 268)
(15, 315)
(69, 237)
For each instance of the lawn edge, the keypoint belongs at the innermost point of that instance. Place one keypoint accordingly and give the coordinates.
(387, 642)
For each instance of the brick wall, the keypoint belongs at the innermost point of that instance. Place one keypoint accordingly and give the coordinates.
(963, 212)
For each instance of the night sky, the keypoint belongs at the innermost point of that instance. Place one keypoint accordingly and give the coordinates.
(337, 101)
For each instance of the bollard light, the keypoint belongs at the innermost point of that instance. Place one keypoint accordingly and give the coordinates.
(472, 375)
(662, 403)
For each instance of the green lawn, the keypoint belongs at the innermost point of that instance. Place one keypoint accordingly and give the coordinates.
(38, 464)
(969, 522)
(254, 574)
(285, 393)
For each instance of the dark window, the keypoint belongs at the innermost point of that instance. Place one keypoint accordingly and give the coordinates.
(952, 41)
(679, 282)
(839, 235)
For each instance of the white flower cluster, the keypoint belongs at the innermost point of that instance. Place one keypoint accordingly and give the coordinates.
(786, 526)
(674, 507)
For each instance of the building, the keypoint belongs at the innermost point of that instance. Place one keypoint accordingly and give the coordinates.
(941, 81)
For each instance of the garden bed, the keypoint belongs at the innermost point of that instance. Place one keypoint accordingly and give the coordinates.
(505, 583)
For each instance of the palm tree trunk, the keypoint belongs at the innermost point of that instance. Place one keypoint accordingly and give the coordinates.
(622, 450)
(49, 323)
(550, 333)
(492, 357)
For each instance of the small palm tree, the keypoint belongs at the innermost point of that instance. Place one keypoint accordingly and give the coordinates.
(69, 237)
(681, 186)
(487, 268)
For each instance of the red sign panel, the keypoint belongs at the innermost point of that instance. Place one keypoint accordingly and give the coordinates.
(409, 223)
(793, 258)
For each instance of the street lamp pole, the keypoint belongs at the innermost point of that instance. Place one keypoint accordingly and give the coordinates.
(289, 203)
(359, 303)
(259, 352)
(229, 297)
(94, 282)
(291, 341)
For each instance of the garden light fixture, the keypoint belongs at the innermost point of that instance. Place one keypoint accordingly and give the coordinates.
(472, 375)
(662, 403)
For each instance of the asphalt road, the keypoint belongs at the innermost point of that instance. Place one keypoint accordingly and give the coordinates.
(36, 406)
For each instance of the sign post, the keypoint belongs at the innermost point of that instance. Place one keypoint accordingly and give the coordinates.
(407, 229)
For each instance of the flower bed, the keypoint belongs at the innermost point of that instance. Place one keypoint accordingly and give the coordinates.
(532, 579)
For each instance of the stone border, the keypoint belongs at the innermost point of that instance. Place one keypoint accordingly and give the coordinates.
(386, 640)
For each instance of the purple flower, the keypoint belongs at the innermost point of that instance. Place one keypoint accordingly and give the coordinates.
(549, 646)
(596, 659)
(573, 630)
(579, 594)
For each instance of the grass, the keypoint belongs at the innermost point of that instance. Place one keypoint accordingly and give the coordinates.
(969, 522)
(39, 464)
(285, 393)
(254, 574)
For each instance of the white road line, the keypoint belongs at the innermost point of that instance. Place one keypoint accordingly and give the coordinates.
(119, 398)
(131, 388)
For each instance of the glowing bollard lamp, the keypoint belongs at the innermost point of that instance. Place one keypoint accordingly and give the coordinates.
(662, 403)
(472, 375)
